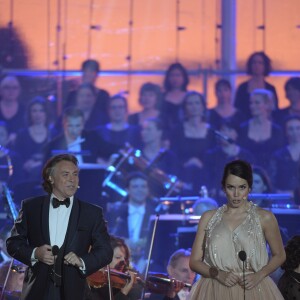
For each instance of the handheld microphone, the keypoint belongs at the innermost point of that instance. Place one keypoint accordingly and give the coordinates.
(243, 257)
(55, 250)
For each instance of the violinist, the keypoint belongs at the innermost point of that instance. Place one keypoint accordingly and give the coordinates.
(121, 262)
(178, 268)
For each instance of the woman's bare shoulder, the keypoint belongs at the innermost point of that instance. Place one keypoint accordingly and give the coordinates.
(265, 215)
(208, 214)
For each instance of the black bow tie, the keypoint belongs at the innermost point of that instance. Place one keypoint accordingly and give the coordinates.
(56, 203)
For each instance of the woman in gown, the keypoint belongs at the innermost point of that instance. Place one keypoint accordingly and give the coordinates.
(223, 233)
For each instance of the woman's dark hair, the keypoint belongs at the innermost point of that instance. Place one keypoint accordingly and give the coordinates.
(119, 242)
(88, 86)
(50, 166)
(190, 94)
(158, 123)
(118, 96)
(134, 175)
(292, 250)
(290, 118)
(264, 177)
(151, 87)
(222, 82)
(239, 168)
(90, 64)
(293, 82)
(266, 59)
(40, 101)
(176, 66)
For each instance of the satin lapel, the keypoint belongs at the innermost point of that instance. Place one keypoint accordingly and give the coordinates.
(73, 223)
(45, 219)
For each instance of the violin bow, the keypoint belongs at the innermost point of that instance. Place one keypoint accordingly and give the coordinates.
(111, 297)
(14, 213)
(150, 254)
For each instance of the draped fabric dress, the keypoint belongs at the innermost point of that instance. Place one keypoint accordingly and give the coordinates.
(222, 246)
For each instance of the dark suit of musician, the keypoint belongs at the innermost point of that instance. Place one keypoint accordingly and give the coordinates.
(118, 220)
(85, 246)
(90, 146)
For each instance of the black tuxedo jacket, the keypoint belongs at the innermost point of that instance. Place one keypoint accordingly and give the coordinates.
(86, 236)
(93, 145)
(118, 220)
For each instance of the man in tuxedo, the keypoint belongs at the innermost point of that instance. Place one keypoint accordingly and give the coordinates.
(59, 237)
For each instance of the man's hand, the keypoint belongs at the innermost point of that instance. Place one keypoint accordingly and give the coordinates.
(72, 259)
(44, 254)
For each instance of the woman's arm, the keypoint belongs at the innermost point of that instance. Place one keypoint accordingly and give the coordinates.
(196, 259)
(273, 237)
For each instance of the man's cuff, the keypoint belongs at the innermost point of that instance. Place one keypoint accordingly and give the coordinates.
(82, 269)
(33, 259)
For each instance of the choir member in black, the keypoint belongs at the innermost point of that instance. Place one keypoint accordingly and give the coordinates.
(118, 132)
(10, 162)
(258, 67)
(32, 139)
(12, 111)
(153, 151)
(226, 151)
(259, 134)
(224, 110)
(150, 97)
(292, 92)
(261, 181)
(191, 139)
(93, 115)
(285, 161)
(175, 85)
(90, 70)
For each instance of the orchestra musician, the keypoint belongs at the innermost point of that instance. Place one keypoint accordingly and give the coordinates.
(120, 262)
(178, 268)
(130, 219)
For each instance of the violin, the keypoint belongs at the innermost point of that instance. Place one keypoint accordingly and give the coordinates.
(156, 283)
(118, 279)
(159, 283)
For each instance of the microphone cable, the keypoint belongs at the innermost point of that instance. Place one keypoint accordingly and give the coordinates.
(243, 257)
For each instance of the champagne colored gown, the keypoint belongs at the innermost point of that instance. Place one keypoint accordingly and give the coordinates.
(222, 246)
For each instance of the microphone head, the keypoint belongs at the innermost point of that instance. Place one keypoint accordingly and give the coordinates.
(55, 250)
(242, 255)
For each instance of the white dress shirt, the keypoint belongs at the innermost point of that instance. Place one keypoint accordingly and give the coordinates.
(135, 220)
(58, 222)
(75, 146)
